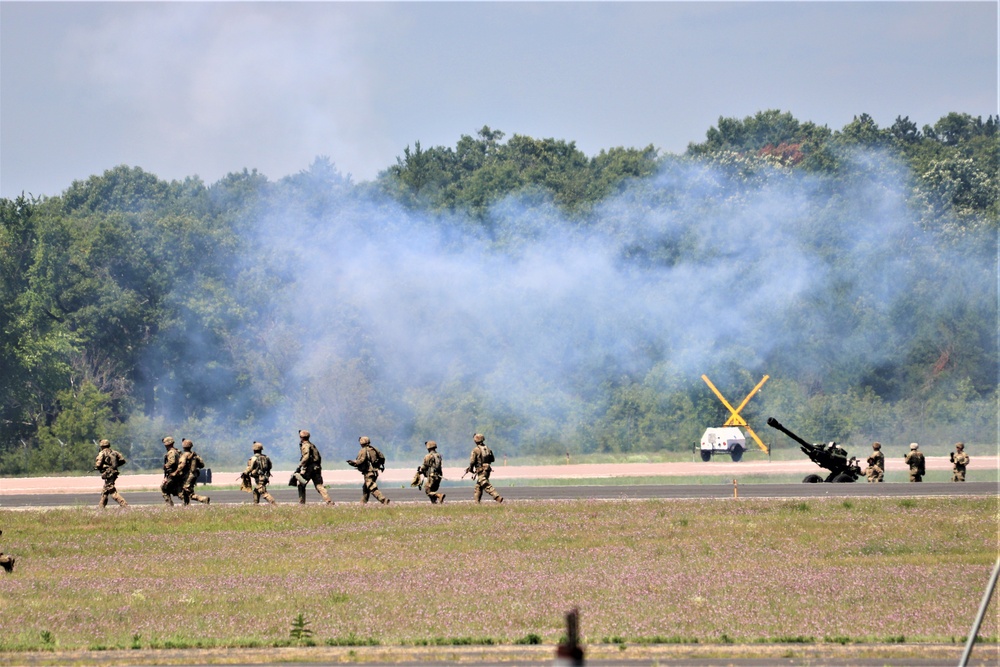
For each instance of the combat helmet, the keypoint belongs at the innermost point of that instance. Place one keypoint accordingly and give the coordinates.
(257, 447)
(478, 438)
(304, 434)
(186, 444)
(430, 444)
(914, 446)
(168, 441)
(959, 445)
(105, 443)
(364, 440)
(876, 445)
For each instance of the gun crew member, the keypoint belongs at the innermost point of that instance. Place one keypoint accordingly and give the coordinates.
(479, 465)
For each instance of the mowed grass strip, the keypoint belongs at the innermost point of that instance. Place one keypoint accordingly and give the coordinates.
(640, 571)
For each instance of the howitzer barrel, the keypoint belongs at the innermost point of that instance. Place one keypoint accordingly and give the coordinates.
(774, 423)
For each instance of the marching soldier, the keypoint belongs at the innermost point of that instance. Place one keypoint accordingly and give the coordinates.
(876, 464)
(369, 463)
(479, 465)
(959, 461)
(259, 471)
(188, 466)
(915, 459)
(171, 485)
(431, 469)
(107, 463)
(310, 469)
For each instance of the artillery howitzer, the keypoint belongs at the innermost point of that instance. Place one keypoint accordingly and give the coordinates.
(831, 456)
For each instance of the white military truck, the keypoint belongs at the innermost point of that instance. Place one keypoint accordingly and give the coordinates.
(723, 440)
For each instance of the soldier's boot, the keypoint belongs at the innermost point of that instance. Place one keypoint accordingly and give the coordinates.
(379, 496)
(186, 497)
(269, 498)
(322, 492)
(118, 498)
(103, 502)
(478, 494)
(168, 500)
(256, 497)
(441, 497)
(384, 500)
(302, 494)
(499, 499)
(205, 500)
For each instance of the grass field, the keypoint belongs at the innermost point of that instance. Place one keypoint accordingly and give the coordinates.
(824, 571)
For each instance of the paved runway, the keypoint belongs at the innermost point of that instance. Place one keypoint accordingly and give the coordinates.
(536, 493)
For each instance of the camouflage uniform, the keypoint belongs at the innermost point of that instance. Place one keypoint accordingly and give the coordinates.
(479, 465)
(6, 561)
(876, 464)
(915, 459)
(310, 469)
(259, 470)
(959, 461)
(431, 469)
(107, 463)
(171, 485)
(367, 464)
(188, 466)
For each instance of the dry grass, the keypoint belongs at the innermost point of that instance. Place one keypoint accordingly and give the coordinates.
(816, 573)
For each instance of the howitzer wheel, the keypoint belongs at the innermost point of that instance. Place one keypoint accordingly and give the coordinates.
(842, 477)
(812, 479)
(706, 455)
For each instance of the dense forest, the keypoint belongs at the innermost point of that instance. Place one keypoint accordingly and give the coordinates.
(517, 287)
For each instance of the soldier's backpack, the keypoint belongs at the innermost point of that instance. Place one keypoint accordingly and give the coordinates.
(314, 456)
(487, 454)
(198, 463)
(379, 462)
(264, 466)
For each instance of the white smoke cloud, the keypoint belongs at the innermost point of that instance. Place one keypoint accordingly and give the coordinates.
(696, 268)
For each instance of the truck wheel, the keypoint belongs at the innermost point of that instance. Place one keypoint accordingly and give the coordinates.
(737, 453)
(706, 455)
(812, 479)
(842, 477)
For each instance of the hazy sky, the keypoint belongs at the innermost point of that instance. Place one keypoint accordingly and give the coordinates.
(190, 88)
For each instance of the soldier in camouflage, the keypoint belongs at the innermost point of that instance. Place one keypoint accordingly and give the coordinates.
(479, 465)
(876, 464)
(915, 459)
(259, 472)
(959, 462)
(107, 463)
(189, 466)
(171, 485)
(431, 469)
(310, 469)
(369, 463)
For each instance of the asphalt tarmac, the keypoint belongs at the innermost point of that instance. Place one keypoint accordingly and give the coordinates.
(284, 494)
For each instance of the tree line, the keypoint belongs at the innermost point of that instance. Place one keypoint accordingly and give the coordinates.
(134, 307)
